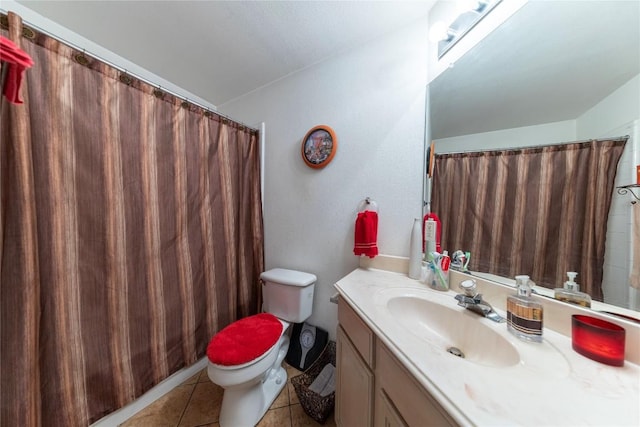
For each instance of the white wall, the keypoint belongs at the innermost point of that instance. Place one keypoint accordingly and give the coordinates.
(548, 133)
(374, 99)
(616, 115)
(620, 107)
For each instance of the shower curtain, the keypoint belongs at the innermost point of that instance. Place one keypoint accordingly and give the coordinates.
(130, 232)
(538, 211)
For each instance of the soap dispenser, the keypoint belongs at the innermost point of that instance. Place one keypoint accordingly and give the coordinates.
(571, 292)
(524, 314)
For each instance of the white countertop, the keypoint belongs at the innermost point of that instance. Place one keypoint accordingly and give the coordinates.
(552, 385)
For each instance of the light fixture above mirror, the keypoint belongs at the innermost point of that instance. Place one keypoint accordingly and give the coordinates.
(470, 13)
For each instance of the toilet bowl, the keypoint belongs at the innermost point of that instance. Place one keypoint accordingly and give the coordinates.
(245, 358)
(251, 387)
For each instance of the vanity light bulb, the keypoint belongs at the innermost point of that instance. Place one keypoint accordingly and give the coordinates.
(438, 32)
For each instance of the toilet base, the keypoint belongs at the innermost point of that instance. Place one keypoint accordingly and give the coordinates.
(245, 406)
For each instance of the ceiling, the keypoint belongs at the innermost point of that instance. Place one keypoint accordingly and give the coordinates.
(221, 50)
(551, 61)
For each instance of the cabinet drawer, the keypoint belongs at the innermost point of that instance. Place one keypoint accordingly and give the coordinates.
(358, 332)
(396, 388)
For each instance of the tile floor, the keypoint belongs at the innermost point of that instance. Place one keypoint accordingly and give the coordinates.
(196, 403)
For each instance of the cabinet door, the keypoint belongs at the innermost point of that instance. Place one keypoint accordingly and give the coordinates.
(358, 332)
(354, 388)
(412, 404)
(386, 414)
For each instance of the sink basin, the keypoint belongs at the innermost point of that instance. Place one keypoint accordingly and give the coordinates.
(448, 327)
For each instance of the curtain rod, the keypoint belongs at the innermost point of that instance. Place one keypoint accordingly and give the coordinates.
(617, 138)
(124, 70)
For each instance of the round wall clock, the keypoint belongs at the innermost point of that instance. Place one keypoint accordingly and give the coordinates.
(319, 146)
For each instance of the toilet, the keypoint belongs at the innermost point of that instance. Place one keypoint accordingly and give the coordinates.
(245, 358)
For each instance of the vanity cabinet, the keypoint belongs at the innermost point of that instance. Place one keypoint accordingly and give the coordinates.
(373, 388)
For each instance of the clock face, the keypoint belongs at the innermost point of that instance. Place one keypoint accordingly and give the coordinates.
(307, 338)
(319, 146)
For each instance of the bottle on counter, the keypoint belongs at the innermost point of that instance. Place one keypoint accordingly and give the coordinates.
(524, 314)
(571, 292)
(415, 250)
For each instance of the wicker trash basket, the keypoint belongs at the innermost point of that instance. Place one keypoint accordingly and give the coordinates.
(317, 407)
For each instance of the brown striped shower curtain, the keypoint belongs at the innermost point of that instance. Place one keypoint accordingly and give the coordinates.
(537, 211)
(130, 232)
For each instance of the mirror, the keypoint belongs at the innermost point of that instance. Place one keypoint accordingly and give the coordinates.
(554, 72)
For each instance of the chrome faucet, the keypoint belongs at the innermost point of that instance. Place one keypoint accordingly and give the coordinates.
(472, 300)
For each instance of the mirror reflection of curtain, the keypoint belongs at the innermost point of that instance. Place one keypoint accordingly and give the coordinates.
(540, 211)
(130, 232)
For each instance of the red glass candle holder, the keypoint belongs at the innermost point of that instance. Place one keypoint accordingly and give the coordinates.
(598, 339)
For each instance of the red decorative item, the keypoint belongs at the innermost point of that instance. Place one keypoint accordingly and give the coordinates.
(244, 340)
(598, 339)
(18, 61)
(434, 217)
(445, 263)
(366, 234)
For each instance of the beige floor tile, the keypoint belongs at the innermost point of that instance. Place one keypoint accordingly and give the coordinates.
(291, 371)
(300, 419)
(204, 377)
(192, 380)
(164, 412)
(196, 403)
(282, 399)
(204, 406)
(293, 397)
(279, 417)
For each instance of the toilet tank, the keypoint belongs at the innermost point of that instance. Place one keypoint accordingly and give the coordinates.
(288, 294)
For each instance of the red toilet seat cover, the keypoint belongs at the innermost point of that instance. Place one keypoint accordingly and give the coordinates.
(244, 340)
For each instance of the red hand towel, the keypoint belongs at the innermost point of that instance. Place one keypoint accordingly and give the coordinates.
(366, 235)
(18, 61)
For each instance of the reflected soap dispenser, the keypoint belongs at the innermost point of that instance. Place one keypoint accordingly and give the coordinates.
(571, 292)
(524, 314)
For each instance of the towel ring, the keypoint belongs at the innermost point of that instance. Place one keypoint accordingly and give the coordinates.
(368, 204)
